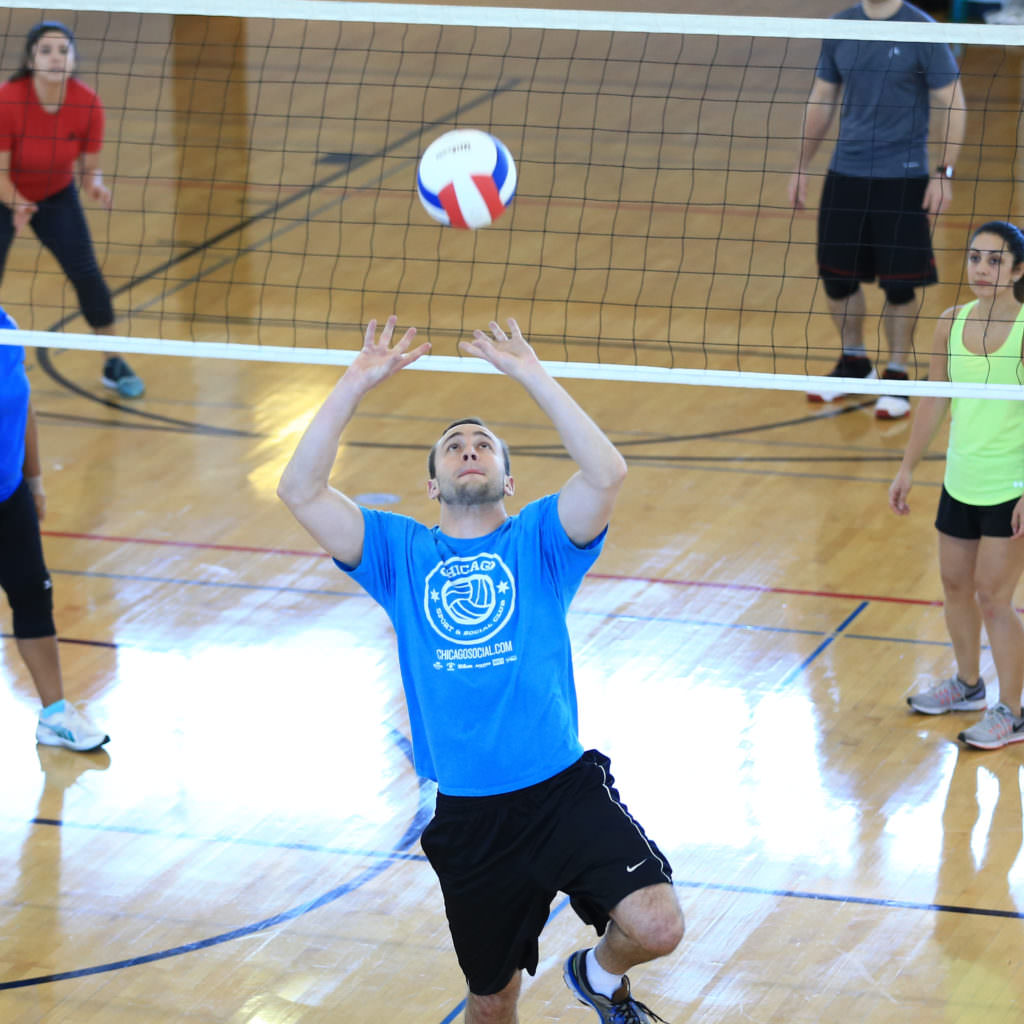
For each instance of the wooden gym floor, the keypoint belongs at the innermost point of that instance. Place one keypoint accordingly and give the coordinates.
(245, 852)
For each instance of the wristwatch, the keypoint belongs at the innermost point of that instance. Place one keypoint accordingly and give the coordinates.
(944, 171)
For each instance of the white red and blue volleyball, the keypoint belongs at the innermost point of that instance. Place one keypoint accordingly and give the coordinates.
(466, 178)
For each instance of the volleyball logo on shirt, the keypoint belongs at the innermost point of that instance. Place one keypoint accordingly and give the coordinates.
(469, 599)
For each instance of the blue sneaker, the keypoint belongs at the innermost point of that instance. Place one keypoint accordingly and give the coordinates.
(120, 377)
(624, 1010)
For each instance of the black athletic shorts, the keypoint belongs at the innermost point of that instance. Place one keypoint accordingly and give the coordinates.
(23, 574)
(502, 859)
(971, 522)
(875, 227)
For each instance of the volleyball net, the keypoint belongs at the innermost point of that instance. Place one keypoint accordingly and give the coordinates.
(263, 162)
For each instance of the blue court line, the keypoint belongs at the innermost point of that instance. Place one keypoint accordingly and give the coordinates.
(140, 578)
(411, 836)
(793, 673)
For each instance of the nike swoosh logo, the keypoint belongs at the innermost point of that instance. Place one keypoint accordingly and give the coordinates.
(630, 868)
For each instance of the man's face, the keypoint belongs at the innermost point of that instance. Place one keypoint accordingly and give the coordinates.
(469, 468)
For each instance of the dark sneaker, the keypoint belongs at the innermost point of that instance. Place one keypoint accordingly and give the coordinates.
(624, 1010)
(998, 728)
(119, 377)
(951, 694)
(892, 407)
(847, 366)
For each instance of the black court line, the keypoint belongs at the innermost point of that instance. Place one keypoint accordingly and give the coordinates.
(165, 424)
(195, 837)
(352, 164)
(411, 836)
(866, 901)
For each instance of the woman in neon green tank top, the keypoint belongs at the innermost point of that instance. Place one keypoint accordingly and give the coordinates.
(981, 509)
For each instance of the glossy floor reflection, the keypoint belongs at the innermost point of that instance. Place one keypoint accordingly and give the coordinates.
(246, 849)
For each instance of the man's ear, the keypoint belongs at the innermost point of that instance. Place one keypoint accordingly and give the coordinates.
(433, 491)
(510, 486)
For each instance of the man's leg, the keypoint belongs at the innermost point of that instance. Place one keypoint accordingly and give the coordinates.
(899, 321)
(647, 924)
(848, 316)
(499, 1008)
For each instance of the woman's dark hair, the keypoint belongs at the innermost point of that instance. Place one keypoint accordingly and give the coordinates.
(1014, 239)
(30, 44)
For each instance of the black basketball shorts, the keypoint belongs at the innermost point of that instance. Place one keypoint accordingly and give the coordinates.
(875, 227)
(501, 860)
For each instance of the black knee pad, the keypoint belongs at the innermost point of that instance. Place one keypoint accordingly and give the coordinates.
(838, 288)
(32, 605)
(898, 294)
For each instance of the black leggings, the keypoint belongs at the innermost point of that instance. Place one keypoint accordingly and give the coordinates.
(60, 225)
(23, 574)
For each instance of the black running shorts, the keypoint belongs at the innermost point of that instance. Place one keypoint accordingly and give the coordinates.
(875, 227)
(972, 522)
(501, 860)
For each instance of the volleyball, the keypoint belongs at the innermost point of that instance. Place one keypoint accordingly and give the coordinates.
(466, 178)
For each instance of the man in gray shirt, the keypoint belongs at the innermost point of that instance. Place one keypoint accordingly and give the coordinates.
(880, 189)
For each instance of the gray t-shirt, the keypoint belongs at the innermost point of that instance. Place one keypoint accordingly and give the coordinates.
(883, 123)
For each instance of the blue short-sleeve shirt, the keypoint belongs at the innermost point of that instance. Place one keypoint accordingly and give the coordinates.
(483, 643)
(14, 395)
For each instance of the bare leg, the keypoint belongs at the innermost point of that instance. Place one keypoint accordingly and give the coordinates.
(1000, 563)
(43, 663)
(499, 1008)
(848, 316)
(899, 323)
(646, 925)
(957, 561)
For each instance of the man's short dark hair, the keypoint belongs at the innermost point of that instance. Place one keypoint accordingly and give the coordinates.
(432, 457)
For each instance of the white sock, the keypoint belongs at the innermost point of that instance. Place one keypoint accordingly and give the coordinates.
(599, 979)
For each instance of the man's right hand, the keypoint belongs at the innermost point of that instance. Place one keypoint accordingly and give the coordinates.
(378, 359)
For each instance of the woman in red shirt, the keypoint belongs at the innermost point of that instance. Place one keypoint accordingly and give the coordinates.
(48, 121)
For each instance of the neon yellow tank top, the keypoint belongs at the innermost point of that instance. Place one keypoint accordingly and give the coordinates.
(985, 458)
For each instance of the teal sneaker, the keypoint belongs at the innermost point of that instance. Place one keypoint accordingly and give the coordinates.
(998, 728)
(624, 1010)
(120, 377)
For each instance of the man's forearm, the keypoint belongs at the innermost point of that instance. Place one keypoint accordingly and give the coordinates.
(954, 122)
(310, 466)
(597, 458)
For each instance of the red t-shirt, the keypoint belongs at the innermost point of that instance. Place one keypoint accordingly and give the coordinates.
(44, 147)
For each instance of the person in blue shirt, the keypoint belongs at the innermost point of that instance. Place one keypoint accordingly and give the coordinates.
(479, 606)
(23, 574)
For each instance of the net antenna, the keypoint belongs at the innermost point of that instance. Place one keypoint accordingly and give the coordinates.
(263, 171)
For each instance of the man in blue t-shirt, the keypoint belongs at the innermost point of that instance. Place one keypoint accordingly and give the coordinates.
(873, 221)
(479, 607)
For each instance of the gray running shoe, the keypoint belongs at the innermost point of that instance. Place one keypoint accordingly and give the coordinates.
(998, 728)
(622, 1011)
(951, 694)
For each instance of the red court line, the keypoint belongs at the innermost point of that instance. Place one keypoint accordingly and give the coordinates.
(759, 588)
(184, 544)
(711, 584)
